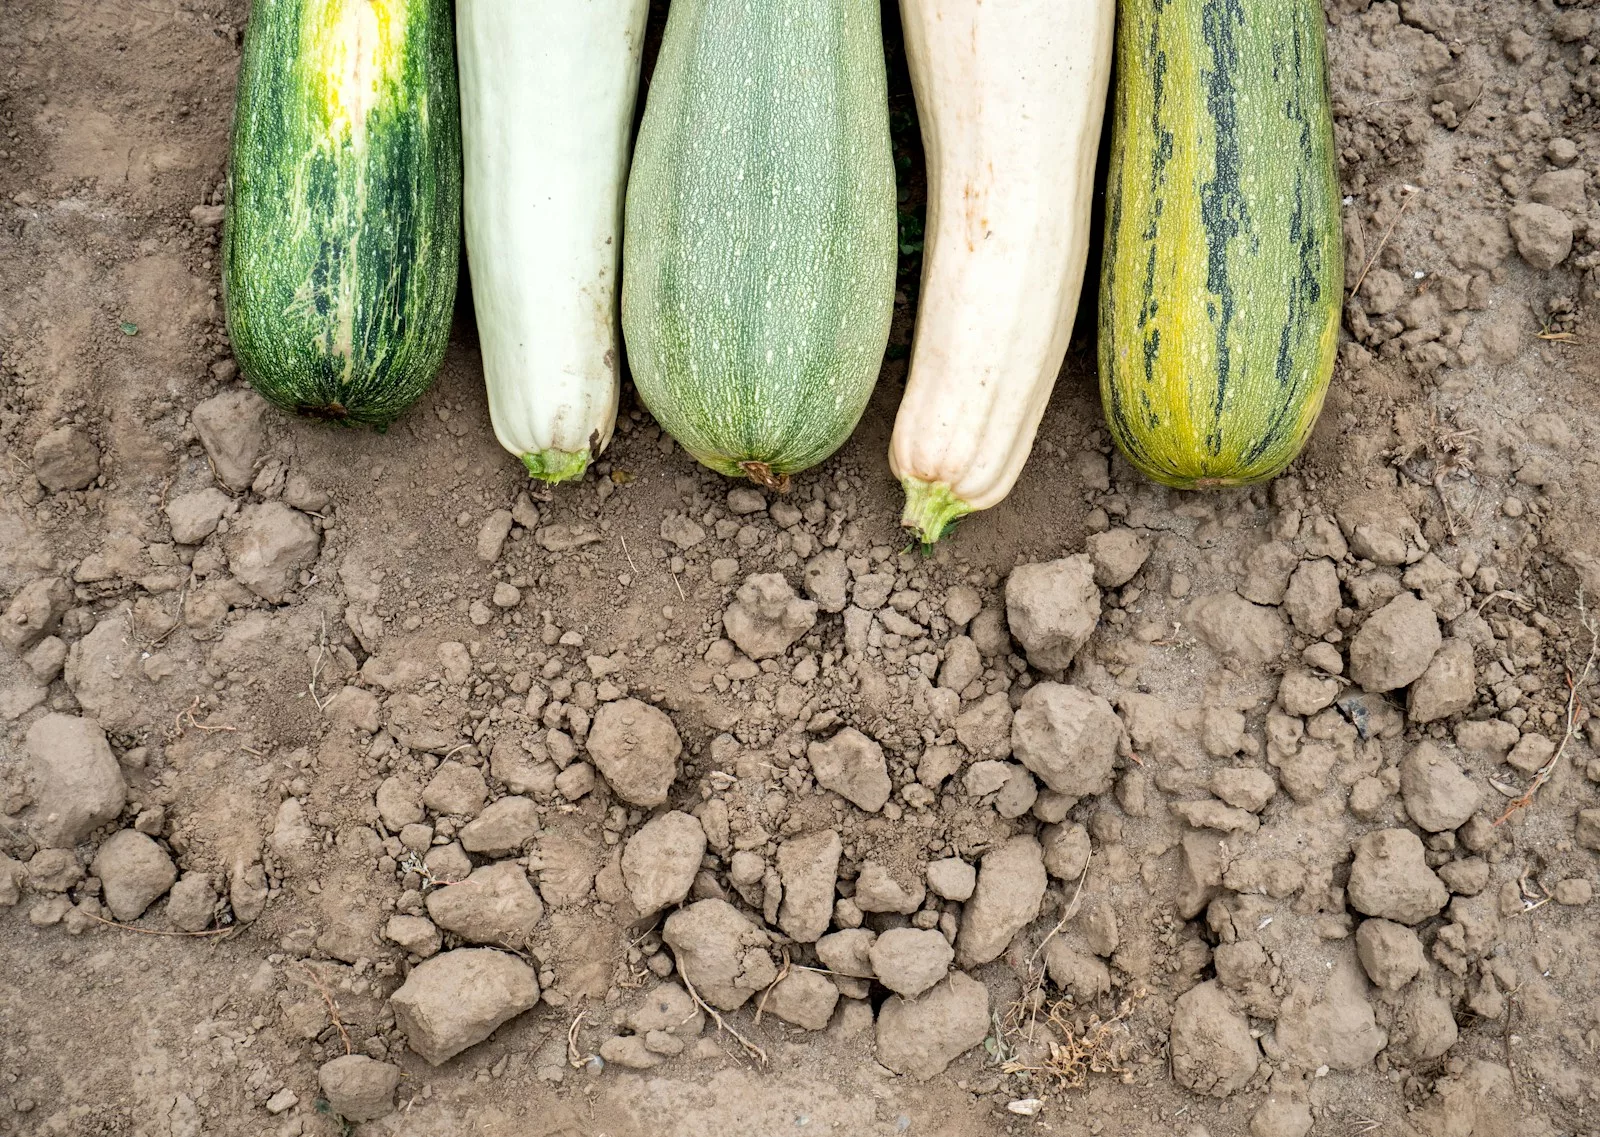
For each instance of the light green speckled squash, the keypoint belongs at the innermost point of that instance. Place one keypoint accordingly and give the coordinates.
(759, 253)
(344, 220)
(1223, 272)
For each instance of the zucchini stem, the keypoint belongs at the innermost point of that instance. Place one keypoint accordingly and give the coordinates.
(931, 509)
(557, 465)
(761, 474)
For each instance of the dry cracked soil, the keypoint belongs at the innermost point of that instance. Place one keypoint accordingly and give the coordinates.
(349, 785)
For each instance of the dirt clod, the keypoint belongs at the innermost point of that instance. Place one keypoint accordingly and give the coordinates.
(803, 998)
(1396, 644)
(1236, 629)
(1068, 737)
(1281, 1116)
(269, 546)
(502, 828)
(922, 1036)
(134, 873)
(460, 998)
(660, 861)
(230, 428)
(358, 1088)
(75, 782)
(852, 765)
(1447, 687)
(66, 459)
(908, 961)
(636, 748)
(1052, 609)
(808, 867)
(1118, 555)
(456, 789)
(493, 905)
(721, 951)
(34, 613)
(1391, 878)
(1011, 884)
(766, 616)
(954, 879)
(1543, 234)
(1438, 796)
(1212, 1051)
(1391, 953)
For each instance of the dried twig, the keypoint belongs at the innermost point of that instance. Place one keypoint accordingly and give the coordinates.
(1067, 914)
(575, 1059)
(176, 619)
(1557, 337)
(333, 1007)
(1101, 1047)
(188, 714)
(1503, 594)
(783, 973)
(627, 554)
(1533, 898)
(750, 1048)
(1444, 502)
(162, 931)
(1574, 705)
(316, 668)
(1410, 192)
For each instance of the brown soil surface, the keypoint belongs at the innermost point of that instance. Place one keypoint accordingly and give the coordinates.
(252, 735)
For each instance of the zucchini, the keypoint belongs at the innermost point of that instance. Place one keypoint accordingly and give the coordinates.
(759, 247)
(344, 220)
(547, 97)
(1223, 273)
(1011, 99)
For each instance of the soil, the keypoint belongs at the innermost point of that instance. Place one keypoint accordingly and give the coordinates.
(1270, 899)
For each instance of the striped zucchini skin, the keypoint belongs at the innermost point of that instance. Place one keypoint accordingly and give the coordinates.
(1223, 271)
(344, 221)
(760, 247)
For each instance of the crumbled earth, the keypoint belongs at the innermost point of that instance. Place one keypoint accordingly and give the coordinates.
(350, 780)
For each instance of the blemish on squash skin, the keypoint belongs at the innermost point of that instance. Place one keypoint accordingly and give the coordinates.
(972, 208)
(359, 46)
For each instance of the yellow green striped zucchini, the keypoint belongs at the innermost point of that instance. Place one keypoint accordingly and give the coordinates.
(1223, 273)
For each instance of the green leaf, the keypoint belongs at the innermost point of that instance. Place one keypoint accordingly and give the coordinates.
(129, 329)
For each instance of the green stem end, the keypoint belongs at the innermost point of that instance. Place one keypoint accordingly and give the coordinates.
(557, 465)
(931, 509)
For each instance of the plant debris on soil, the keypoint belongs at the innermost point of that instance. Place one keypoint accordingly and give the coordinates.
(351, 784)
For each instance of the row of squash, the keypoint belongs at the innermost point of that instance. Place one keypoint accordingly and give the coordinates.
(750, 246)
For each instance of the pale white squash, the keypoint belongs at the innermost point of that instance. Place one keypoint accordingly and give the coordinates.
(547, 98)
(1011, 97)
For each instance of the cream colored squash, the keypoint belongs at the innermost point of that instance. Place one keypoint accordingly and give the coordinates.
(1011, 98)
(547, 98)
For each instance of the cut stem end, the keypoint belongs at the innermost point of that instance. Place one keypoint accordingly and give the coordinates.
(761, 474)
(931, 509)
(557, 465)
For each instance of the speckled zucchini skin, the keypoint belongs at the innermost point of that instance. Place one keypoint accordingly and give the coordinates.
(759, 252)
(344, 220)
(1223, 272)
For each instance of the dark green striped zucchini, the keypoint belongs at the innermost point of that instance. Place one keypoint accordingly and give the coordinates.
(1223, 272)
(343, 229)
